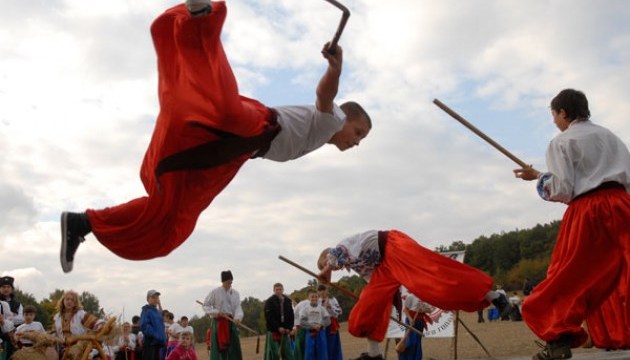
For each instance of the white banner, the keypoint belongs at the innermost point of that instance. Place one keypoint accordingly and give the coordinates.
(443, 321)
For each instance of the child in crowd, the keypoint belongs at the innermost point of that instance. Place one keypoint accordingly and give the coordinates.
(313, 319)
(333, 340)
(185, 350)
(29, 326)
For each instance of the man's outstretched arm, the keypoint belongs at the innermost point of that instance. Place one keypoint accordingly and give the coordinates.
(329, 83)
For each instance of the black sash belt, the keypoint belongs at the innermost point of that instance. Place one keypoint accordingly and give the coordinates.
(603, 186)
(220, 151)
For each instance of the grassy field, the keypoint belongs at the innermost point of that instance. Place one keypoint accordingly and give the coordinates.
(500, 338)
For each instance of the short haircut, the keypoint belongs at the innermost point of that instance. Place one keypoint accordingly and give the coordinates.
(573, 102)
(322, 287)
(278, 285)
(311, 291)
(354, 111)
(322, 257)
(185, 333)
(184, 318)
(30, 309)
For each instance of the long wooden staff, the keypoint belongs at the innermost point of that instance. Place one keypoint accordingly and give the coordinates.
(400, 348)
(241, 325)
(470, 126)
(346, 292)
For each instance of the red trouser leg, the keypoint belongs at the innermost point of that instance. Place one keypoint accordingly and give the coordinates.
(434, 278)
(589, 261)
(196, 85)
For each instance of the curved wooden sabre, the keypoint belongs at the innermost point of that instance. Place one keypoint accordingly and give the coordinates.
(346, 292)
(470, 126)
(332, 48)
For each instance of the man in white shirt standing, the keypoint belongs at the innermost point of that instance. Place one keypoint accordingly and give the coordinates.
(223, 304)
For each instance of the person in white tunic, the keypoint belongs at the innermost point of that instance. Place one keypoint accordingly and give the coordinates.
(223, 304)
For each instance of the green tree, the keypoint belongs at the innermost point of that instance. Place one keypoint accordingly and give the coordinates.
(253, 316)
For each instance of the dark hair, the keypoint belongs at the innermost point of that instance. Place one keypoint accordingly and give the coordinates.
(321, 287)
(311, 291)
(184, 317)
(573, 102)
(135, 319)
(278, 285)
(30, 309)
(354, 111)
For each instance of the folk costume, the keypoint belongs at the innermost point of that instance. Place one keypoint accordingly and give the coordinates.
(588, 169)
(315, 345)
(225, 343)
(204, 133)
(389, 259)
(16, 314)
(300, 332)
(333, 340)
(278, 314)
(416, 310)
(6, 327)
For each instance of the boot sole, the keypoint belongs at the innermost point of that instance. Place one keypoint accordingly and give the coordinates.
(65, 265)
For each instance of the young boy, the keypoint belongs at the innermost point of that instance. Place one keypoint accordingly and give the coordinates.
(333, 340)
(389, 259)
(29, 326)
(588, 169)
(204, 133)
(152, 327)
(314, 319)
(185, 350)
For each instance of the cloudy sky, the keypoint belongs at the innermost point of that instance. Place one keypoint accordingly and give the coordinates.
(78, 104)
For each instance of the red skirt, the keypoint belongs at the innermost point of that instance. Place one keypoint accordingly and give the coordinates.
(197, 92)
(589, 262)
(436, 279)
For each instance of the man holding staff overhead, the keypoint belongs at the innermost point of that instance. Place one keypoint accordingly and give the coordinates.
(203, 135)
(588, 169)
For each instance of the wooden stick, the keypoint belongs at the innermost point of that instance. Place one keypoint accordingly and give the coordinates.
(346, 292)
(234, 322)
(470, 126)
(400, 347)
(241, 325)
(474, 337)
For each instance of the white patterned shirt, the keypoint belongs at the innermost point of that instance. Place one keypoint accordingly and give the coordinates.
(581, 158)
(359, 253)
(221, 300)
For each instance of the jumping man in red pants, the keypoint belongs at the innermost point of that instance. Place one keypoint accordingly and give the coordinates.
(589, 169)
(389, 259)
(204, 133)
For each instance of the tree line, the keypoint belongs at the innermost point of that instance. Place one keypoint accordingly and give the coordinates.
(509, 257)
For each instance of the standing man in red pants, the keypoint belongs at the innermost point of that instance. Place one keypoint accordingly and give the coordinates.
(204, 133)
(588, 169)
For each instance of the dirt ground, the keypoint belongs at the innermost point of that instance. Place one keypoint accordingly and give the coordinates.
(500, 338)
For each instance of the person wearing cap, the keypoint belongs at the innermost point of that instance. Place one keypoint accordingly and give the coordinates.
(152, 327)
(223, 304)
(16, 311)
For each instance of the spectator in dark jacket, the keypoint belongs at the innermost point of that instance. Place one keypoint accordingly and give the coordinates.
(279, 319)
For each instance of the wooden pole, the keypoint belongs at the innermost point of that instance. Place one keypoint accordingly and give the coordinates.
(479, 133)
(346, 292)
